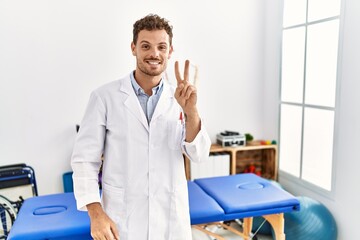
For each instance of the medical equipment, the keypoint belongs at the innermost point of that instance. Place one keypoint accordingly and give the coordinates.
(241, 196)
(215, 199)
(17, 182)
(8, 213)
(12, 177)
(230, 139)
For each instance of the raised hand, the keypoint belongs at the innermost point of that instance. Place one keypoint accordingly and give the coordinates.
(185, 93)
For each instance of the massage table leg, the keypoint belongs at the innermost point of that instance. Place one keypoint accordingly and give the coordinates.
(277, 223)
(245, 236)
(247, 226)
(201, 227)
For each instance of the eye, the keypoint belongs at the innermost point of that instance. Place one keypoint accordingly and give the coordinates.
(145, 46)
(162, 47)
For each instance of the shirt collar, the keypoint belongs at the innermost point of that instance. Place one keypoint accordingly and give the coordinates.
(138, 90)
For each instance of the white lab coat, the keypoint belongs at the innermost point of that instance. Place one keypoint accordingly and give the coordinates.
(144, 185)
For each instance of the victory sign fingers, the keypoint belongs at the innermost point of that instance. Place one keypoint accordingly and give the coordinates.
(185, 92)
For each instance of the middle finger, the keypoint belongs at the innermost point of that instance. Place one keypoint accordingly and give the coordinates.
(186, 70)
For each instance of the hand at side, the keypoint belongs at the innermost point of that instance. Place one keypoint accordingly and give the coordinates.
(102, 227)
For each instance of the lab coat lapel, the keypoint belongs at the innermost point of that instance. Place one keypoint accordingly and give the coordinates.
(132, 102)
(164, 102)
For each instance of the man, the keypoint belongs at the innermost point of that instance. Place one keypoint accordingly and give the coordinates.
(141, 126)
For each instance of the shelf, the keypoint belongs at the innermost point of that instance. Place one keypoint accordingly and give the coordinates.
(263, 158)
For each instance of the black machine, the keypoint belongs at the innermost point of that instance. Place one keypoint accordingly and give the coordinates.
(230, 139)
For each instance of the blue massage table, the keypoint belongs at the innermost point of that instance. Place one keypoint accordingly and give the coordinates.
(211, 201)
(241, 196)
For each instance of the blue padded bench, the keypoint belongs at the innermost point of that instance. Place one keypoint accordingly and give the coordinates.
(241, 196)
(211, 200)
(51, 217)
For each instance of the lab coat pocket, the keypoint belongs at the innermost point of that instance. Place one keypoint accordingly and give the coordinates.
(180, 227)
(175, 134)
(113, 200)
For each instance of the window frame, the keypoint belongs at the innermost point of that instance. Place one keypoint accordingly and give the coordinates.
(283, 174)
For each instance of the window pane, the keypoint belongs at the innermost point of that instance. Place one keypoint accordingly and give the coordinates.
(318, 147)
(292, 70)
(290, 137)
(321, 63)
(294, 12)
(320, 9)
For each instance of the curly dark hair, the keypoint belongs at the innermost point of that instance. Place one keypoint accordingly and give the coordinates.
(152, 22)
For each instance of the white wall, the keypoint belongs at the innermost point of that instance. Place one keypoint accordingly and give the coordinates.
(271, 70)
(344, 203)
(54, 53)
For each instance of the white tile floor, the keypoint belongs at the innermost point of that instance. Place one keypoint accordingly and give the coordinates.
(198, 235)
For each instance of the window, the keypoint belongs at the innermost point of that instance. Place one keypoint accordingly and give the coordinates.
(308, 90)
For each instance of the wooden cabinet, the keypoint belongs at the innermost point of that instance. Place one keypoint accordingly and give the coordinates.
(261, 159)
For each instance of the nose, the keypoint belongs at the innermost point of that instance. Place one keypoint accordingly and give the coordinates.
(154, 53)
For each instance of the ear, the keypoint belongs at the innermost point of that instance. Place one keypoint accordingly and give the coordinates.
(171, 51)
(133, 49)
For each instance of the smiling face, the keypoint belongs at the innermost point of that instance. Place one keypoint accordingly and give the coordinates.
(152, 51)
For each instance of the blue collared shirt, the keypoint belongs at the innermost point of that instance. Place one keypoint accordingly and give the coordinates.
(148, 103)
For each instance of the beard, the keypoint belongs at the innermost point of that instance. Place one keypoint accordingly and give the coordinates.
(146, 68)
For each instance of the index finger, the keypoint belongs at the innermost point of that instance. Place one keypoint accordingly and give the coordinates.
(177, 73)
